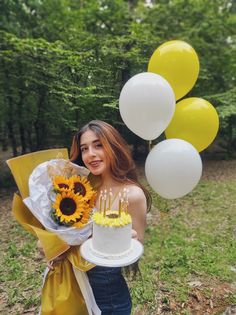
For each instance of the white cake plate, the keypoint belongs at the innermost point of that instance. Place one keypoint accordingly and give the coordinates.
(133, 256)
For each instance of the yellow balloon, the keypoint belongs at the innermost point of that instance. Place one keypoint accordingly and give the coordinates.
(196, 121)
(178, 63)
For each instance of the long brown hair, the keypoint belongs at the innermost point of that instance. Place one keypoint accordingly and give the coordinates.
(123, 168)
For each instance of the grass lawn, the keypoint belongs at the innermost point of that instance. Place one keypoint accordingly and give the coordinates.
(189, 264)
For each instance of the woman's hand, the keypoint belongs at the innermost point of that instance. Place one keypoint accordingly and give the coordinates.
(134, 234)
(59, 258)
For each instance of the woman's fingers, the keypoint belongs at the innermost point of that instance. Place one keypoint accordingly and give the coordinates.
(134, 234)
(50, 265)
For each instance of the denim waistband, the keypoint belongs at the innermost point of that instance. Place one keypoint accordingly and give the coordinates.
(105, 270)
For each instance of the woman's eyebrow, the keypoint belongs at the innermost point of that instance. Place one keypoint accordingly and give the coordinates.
(94, 141)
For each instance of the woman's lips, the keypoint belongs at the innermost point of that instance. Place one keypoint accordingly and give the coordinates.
(95, 163)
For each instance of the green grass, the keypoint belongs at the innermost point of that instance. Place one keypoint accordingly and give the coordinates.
(20, 271)
(193, 239)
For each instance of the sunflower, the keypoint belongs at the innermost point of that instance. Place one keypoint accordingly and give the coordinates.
(69, 207)
(92, 200)
(84, 218)
(82, 187)
(62, 183)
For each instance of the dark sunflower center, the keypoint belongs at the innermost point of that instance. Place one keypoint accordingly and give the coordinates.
(79, 189)
(62, 185)
(79, 219)
(67, 206)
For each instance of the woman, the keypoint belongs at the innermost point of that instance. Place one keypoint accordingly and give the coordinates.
(99, 147)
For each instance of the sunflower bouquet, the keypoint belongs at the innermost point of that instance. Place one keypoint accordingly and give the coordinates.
(62, 199)
(74, 200)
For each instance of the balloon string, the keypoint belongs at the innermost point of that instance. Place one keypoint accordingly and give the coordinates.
(150, 145)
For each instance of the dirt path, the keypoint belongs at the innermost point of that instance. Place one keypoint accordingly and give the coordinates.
(219, 170)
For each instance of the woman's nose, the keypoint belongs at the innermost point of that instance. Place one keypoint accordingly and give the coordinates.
(91, 151)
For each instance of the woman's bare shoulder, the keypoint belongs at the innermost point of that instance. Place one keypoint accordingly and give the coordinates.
(137, 207)
(135, 193)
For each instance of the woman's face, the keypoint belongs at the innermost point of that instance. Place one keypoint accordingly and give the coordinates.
(93, 153)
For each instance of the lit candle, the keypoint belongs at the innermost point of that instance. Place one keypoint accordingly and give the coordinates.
(126, 200)
(105, 205)
(126, 205)
(119, 198)
(120, 205)
(100, 201)
(110, 198)
(124, 193)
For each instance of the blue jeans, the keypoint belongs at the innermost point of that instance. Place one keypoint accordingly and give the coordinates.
(110, 290)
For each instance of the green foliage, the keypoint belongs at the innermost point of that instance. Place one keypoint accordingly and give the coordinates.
(226, 107)
(44, 88)
(64, 62)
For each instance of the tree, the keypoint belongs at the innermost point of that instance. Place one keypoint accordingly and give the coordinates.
(74, 57)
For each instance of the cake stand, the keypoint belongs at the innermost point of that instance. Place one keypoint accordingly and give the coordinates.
(135, 253)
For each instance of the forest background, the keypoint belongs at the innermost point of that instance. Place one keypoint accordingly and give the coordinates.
(64, 63)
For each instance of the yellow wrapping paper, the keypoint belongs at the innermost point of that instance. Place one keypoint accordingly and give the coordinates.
(61, 293)
(22, 166)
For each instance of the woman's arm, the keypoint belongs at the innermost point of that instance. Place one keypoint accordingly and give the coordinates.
(138, 210)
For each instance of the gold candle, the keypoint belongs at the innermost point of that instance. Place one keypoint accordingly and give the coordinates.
(126, 201)
(120, 206)
(100, 201)
(126, 206)
(110, 198)
(119, 198)
(105, 205)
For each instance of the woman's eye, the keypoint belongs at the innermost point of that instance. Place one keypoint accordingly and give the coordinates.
(83, 149)
(99, 145)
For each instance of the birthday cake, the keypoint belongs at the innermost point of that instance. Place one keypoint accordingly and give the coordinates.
(112, 244)
(112, 234)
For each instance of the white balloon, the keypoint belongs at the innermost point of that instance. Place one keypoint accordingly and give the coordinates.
(173, 168)
(147, 104)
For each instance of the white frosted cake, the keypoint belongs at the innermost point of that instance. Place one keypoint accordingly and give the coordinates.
(112, 234)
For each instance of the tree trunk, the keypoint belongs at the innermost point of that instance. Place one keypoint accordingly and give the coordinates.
(4, 139)
(22, 139)
(230, 135)
(10, 115)
(40, 125)
(11, 135)
(29, 140)
(19, 111)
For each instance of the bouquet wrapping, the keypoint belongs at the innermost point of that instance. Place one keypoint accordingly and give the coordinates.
(62, 199)
(39, 209)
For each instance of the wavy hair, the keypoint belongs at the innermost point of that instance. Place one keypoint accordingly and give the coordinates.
(123, 168)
